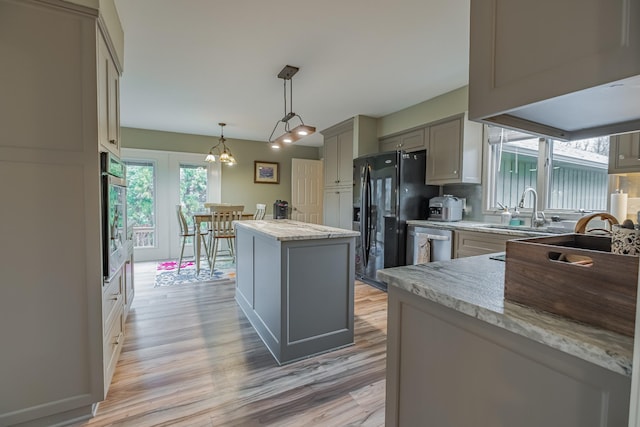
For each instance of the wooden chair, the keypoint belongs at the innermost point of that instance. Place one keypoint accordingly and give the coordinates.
(261, 209)
(222, 229)
(185, 232)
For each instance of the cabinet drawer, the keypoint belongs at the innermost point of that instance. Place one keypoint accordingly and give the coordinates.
(112, 299)
(112, 344)
(471, 243)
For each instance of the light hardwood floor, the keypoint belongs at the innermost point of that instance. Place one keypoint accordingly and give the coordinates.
(191, 358)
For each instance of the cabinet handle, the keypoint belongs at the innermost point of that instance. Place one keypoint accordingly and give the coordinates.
(112, 141)
(115, 297)
(118, 338)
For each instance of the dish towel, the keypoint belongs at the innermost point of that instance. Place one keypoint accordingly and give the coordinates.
(423, 252)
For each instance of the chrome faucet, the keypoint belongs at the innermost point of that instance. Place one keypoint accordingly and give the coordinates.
(537, 218)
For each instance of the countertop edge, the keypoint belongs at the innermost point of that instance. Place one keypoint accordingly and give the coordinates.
(289, 230)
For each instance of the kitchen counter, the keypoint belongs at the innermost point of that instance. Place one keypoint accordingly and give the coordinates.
(295, 284)
(475, 286)
(482, 227)
(452, 338)
(286, 230)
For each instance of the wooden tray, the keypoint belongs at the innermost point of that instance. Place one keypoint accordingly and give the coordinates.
(576, 276)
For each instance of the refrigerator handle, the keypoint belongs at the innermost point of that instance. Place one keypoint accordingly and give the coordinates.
(365, 214)
(370, 220)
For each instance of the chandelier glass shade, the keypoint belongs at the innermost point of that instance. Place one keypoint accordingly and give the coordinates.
(289, 135)
(220, 152)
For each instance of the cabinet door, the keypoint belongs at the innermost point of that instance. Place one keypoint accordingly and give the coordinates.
(412, 141)
(624, 153)
(113, 101)
(389, 144)
(331, 161)
(108, 100)
(444, 155)
(337, 208)
(345, 158)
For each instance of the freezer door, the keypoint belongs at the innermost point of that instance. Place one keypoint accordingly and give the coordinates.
(381, 237)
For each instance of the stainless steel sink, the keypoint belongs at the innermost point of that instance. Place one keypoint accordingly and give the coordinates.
(543, 230)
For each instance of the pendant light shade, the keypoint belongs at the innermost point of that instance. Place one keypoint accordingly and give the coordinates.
(220, 152)
(289, 135)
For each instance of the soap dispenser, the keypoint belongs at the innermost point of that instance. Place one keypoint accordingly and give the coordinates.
(505, 216)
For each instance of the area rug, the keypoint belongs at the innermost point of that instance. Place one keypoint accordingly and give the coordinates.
(167, 272)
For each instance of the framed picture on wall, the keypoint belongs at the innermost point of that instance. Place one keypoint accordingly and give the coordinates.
(266, 172)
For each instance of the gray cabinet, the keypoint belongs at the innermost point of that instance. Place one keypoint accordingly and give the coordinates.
(296, 290)
(57, 360)
(338, 159)
(408, 141)
(577, 81)
(624, 153)
(439, 359)
(342, 143)
(108, 100)
(454, 152)
(338, 203)
(472, 243)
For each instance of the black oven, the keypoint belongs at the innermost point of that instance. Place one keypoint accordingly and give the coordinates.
(114, 214)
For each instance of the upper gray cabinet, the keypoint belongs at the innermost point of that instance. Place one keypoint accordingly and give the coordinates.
(624, 153)
(338, 158)
(454, 153)
(568, 69)
(408, 141)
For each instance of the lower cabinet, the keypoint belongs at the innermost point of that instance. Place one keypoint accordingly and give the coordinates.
(471, 243)
(113, 313)
(129, 290)
(337, 208)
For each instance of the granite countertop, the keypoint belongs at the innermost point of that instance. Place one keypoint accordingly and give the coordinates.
(485, 228)
(475, 286)
(286, 229)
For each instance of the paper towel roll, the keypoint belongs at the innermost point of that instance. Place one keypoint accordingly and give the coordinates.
(619, 206)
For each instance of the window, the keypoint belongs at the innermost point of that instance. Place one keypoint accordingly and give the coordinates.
(193, 189)
(141, 202)
(568, 176)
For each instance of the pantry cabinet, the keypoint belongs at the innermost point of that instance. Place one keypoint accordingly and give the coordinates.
(342, 143)
(454, 153)
(55, 313)
(624, 153)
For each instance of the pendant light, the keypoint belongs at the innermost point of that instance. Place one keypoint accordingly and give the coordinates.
(220, 152)
(289, 135)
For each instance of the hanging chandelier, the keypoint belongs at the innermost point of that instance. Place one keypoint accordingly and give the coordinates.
(220, 152)
(289, 135)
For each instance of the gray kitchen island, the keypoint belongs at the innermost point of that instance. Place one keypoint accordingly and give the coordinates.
(459, 355)
(295, 284)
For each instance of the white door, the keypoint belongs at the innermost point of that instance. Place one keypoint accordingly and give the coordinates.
(306, 190)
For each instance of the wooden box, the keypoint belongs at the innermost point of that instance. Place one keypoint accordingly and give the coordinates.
(576, 276)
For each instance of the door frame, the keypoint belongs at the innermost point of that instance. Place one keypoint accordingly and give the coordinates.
(167, 196)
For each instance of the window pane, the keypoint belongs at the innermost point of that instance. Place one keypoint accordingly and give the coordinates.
(141, 202)
(579, 178)
(193, 189)
(515, 168)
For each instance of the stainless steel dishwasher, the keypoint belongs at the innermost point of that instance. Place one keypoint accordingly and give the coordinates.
(439, 239)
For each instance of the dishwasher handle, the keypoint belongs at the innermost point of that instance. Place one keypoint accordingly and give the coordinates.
(433, 236)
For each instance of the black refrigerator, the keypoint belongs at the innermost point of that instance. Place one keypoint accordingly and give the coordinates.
(389, 189)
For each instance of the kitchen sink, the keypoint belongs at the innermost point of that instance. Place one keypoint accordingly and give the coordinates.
(550, 229)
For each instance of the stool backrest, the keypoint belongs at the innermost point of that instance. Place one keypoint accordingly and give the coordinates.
(261, 209)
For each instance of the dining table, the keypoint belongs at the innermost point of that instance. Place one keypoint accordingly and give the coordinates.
(205, 217)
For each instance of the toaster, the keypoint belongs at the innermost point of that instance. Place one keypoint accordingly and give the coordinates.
(445, 208)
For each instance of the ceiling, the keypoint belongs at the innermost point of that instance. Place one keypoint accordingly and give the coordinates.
(190, 64)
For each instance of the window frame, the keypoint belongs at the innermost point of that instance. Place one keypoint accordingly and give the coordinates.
(543, 182)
